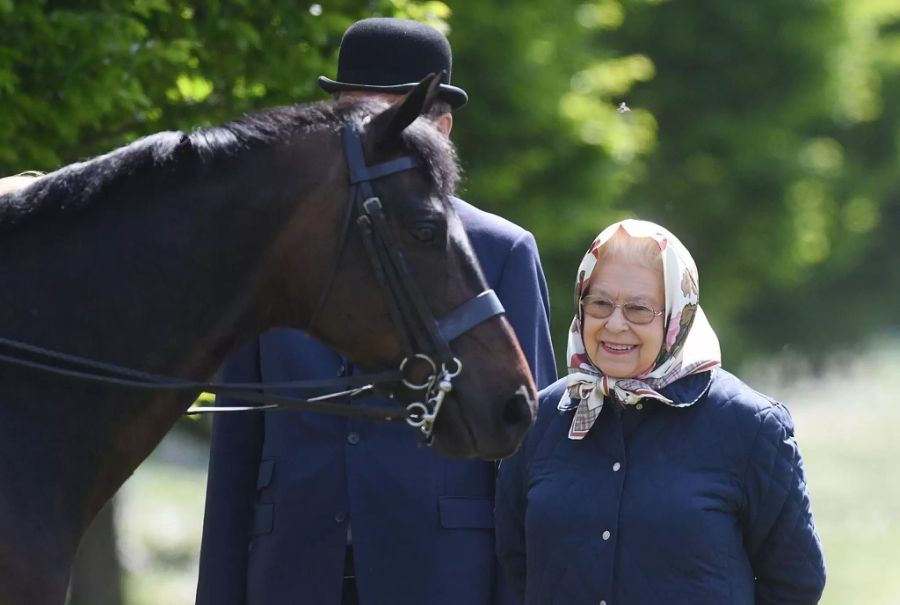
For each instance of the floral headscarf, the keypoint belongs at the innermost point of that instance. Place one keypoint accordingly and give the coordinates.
(690, 345)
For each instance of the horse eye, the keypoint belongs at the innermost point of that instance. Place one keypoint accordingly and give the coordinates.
(423, 232)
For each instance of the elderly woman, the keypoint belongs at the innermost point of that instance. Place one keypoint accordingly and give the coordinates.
(652, 475)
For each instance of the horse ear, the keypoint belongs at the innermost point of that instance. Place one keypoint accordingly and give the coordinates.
(387, 126)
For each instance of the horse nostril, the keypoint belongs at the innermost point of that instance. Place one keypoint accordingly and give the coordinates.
(517, 410)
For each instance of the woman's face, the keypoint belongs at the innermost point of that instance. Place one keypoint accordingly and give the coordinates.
(619, 348)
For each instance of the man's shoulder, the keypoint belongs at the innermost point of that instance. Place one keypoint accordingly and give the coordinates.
(550, 424)
(478, 222)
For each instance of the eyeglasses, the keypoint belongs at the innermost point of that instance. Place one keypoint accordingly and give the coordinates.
(601, 308)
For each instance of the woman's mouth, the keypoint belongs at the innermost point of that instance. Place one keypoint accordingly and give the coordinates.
(617, 349)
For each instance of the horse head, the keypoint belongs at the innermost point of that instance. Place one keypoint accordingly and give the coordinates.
(391, 275)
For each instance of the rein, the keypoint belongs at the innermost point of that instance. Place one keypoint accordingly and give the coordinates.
(88, 370)
(425, 339)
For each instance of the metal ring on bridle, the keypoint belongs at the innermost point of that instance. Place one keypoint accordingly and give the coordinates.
(418, 414)
(447, 373)
(431, 377)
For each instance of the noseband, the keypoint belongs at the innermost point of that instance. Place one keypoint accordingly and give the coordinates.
(425, 340)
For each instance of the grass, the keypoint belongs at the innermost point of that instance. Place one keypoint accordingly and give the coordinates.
(159, 520)
(846, 425)
(847, 420)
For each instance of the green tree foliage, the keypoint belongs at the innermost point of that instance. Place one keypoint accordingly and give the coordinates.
(776, 158)
(764, 133)
(541, 140)
(81, 77)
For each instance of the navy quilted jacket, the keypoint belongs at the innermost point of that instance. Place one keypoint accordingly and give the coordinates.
(696, 505)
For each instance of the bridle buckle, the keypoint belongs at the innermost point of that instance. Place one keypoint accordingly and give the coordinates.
(422, 415)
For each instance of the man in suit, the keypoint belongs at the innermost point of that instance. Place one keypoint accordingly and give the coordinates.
(323, 510)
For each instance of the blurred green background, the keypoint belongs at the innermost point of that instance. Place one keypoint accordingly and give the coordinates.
(765, 133)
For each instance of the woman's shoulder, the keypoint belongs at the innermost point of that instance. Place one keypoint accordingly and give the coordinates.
(732, 397)
(550, 420)
(548, 402)
(550, 394)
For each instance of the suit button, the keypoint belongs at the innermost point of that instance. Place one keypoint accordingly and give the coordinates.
(353, 438)
(340, 516)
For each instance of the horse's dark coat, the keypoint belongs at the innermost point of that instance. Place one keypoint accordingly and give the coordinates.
(167, 254)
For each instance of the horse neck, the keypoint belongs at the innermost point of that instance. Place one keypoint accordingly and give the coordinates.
(170, 284)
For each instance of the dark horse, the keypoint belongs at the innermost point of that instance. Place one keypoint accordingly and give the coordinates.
(169, 253)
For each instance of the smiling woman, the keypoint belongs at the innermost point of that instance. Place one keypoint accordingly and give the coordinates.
(623, 331)
(650, 470)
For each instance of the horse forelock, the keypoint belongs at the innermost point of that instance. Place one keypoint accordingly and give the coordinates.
(436, 152)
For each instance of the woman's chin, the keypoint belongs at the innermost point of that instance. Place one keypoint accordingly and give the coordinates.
(617, 368)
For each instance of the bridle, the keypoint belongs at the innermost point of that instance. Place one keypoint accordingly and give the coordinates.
(423, 337)
(425, 340)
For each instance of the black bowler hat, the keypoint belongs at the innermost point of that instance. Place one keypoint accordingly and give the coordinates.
(393, 55)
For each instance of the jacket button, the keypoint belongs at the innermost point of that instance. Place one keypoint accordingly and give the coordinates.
(616, 467)
(602, 602)
(606, 535)
(340, 516)
(353, 438)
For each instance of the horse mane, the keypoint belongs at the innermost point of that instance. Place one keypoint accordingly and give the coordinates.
(130, 168)
(271, 126)
(81, 184)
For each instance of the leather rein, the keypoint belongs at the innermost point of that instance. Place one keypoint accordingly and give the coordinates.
(418, 329)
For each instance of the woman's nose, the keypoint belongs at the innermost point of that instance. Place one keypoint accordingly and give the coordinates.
(617, 320)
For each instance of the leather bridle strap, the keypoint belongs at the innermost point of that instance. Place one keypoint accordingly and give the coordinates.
(362, 175)
(407, 307)
(415, 316)
(421, 335)
(88, 370)
(472, 312)
(360, 180)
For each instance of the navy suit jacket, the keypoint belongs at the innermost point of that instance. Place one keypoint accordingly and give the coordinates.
(284, 487)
